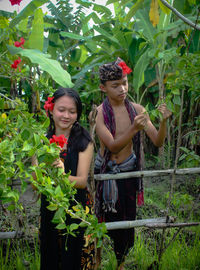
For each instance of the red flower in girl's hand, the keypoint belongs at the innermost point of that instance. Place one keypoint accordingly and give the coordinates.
(125, 68)
(48, 106)
(60, 140)
(15, 2)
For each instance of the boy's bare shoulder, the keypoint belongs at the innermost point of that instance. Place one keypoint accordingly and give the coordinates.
(99, 108)
(98, 111)
(139, 108)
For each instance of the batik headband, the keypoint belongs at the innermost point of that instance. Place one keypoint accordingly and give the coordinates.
(114, 70)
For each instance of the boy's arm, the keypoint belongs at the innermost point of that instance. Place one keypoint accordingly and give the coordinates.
(115, 145)
(158, 137)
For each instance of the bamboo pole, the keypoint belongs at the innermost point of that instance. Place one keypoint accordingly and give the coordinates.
(100, 177)
(154, 223)
(10, 235)
(133, 223)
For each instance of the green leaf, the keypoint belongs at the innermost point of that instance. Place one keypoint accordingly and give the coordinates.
(37, 139)
(25, 134)
(140, 67)
(26, 146)
(61, 226)
(27, 11)
(84, 3)
(20, 165)
(23, 25)
(177, 100)
(165, 9)
(102, 9)
(133, 10)
(145, 24)
(74, 36)
(58, 190)
(111, 2)
(36, 39)
(59, 214)
(106, 35)
(94, 17)
(52, 207)
(73, 226)
(51, 66)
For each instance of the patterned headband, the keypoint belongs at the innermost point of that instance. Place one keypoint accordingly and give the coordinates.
(114, 70)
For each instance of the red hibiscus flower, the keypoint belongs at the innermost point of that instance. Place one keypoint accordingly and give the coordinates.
(125, 68)
(16, 63)
(15, 2)
(48, 106)
(60, 140)
(19, 44)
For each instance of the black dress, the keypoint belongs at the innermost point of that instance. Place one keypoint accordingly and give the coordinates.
(52, 242)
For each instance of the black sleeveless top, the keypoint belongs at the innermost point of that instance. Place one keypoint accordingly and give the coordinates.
(70, 158)
(52, 242)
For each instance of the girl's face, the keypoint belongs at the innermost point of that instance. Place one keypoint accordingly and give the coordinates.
(64, 113)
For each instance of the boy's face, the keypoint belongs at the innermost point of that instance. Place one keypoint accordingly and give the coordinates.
(116, 90)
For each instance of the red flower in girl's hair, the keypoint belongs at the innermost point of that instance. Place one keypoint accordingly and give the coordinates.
(60, 140)
(15, 2)
(125, 68)
(48, 106)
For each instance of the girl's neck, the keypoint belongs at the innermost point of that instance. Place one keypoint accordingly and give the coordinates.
(59, 132)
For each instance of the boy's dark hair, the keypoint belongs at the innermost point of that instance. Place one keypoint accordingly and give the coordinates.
(77, 130)
(110, 71)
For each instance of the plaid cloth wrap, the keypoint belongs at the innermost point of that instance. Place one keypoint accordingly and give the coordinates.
(106, 191)
(109, 188)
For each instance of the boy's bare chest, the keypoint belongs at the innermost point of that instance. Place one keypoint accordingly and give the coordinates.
(122, 121)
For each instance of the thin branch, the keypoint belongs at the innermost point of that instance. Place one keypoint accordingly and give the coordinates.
(8, 98)
(177, 153)
(190, 133)
(179, 15)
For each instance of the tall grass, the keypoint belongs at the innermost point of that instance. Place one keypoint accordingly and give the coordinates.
(18, 255)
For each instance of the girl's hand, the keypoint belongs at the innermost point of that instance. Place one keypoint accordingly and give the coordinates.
(165, 112)
(59, 164)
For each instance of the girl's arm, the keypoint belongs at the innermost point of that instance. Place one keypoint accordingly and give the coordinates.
(84, 161)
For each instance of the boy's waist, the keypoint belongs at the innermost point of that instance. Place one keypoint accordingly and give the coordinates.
(128, 164)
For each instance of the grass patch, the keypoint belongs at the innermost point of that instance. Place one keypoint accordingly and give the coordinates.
(19, 255)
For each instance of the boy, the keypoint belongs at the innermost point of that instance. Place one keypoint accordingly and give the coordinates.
(118, 123)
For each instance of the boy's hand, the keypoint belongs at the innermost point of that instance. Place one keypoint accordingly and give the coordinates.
(140, 121)
(165, 112)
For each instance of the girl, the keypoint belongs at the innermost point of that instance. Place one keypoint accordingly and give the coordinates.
(64, 111)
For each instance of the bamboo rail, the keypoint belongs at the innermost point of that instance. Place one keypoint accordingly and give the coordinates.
(101, 177)
(10, 235)
(154, 223)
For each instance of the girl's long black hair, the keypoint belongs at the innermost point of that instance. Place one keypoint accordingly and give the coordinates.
(79, 136)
